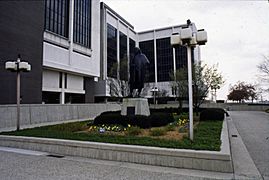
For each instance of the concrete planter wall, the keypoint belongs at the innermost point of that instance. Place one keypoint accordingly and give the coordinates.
(40, 114)
(179, 158)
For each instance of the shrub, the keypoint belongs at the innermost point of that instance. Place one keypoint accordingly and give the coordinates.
(133, 131)
(157, 132)
(267, 110)
(158, 119)
(140, 121)
(111, 118)
(212, 114)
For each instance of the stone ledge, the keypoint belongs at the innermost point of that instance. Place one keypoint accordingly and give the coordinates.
(179, 158)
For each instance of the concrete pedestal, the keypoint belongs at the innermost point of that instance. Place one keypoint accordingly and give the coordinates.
(135, 106)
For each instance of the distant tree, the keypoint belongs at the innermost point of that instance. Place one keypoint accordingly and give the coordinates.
(205, 78)
(242, 91)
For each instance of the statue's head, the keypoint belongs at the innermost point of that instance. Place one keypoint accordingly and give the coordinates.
(137, 51)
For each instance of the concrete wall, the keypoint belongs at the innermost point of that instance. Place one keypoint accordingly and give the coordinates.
(38, 114)
(228, 106)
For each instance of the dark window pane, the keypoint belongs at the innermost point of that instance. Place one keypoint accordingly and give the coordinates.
(123, 57)
(164, 59)
(147, 47)
(112, 65)
(56, 18)
(82, 21)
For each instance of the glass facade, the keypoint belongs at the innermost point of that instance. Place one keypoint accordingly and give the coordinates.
(57, 16)
(181, 57)
(111, 51)
(123, 57)
(147, 47)
(82, 22)
(164, 59)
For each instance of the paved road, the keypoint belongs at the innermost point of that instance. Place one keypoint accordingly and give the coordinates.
(253, 126)
(27, 165)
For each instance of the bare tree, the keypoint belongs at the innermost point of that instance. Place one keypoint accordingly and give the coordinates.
(264, 69)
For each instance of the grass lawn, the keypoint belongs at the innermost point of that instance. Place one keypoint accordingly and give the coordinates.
(206, 136)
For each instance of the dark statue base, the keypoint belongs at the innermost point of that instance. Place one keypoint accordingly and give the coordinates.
(135, 106)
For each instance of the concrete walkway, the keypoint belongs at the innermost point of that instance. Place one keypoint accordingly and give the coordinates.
(16, 164)
(253, 127)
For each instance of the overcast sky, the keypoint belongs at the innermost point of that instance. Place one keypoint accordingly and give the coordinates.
(238, 31)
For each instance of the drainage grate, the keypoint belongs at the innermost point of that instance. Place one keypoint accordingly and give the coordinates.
(234, 135)
(55, 155)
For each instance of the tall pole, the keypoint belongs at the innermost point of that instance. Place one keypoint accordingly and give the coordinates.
(18, 93)
(190, 93)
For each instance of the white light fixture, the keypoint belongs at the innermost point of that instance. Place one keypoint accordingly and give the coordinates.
(186, 34)
(175, 39)
(24, 66)
(11, 66)
(201, 37)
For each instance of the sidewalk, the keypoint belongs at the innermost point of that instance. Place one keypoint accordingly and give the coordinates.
(244, 167)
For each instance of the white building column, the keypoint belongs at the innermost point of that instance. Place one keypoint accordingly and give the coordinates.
(71, 30)
(118, 49)
(62, 94)
(155, 58)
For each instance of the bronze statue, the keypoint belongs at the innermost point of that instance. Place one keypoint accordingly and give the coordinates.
(137, 72)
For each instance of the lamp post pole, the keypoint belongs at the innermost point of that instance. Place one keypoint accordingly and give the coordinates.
(190, 93)
(18, 93)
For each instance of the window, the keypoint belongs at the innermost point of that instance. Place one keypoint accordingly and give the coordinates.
(111, 51)
(164, 59)
(82, 22)
(123, 57)
(147, 47)
(131, 48)
(181, 57)
(57, 16)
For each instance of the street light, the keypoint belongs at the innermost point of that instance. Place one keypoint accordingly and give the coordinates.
(186, 37)
(154, 91)
(18, 66)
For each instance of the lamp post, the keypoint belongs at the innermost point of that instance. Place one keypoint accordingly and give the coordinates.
(186, 37)
(18, 66)
(154, 91)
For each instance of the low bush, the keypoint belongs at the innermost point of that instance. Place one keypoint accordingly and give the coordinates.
(140, 121)
(267, 110)
(159, 119)
(111, 118)
(156, 119)
(157, 132)
(212, 114)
